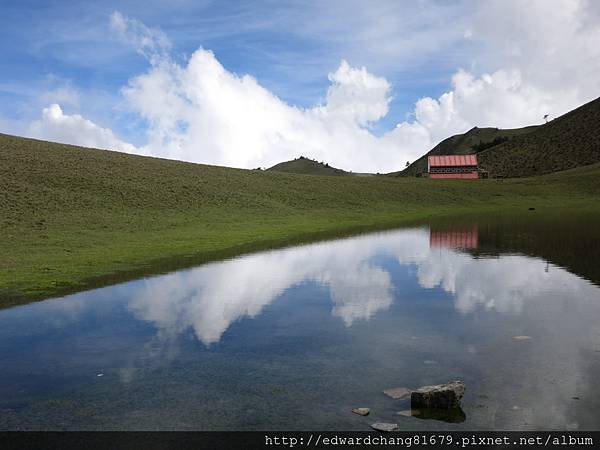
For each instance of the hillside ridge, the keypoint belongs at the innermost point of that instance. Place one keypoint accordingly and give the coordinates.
(571, 140)
(306, 166)
(465, 143)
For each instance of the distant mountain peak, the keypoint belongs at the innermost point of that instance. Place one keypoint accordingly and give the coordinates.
(307, 166)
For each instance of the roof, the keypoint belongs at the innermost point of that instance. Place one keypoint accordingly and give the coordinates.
(452, 160)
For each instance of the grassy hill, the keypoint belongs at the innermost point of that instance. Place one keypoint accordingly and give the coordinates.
(72, 218)
(569, 141)
(473, 141)
(307, 166)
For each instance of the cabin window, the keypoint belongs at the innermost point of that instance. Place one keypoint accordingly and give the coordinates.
(453, 169)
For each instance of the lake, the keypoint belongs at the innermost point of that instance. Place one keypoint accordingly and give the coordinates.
(293, 339)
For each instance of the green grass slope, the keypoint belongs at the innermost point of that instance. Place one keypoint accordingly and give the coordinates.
(307, 166)
(462, 144)
(73, 218)
(569, 141)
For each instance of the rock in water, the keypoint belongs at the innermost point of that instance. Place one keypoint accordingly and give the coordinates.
(409, 412)
(439, 396)
(385, 427)
(397, 393)
(361, 411)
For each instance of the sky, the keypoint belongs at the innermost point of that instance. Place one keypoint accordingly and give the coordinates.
(364, 86)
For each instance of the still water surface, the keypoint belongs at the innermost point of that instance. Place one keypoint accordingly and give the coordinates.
(296, 338)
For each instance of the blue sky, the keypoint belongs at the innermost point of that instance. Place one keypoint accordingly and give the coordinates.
(45, 44)
(481, 53)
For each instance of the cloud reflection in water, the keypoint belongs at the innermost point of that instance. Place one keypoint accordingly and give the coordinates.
(211, 297)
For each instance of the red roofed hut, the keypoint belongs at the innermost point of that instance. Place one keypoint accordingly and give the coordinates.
(452, 166)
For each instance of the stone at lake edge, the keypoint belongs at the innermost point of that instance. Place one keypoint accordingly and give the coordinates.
(361, 411)
(440, 396)
(385, 427)
(521, 338)
(409, 412)
(397, 393)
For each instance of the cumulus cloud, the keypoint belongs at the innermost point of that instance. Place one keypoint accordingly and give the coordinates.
(526, 62)
(545, 58)
(57, 126)
(202, 112)
(501, 99)
(548, 58)
(213, 115)
(357, 95)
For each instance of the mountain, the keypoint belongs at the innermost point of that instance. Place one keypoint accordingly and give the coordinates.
(307, 166)
(474, 140)
(566, 142)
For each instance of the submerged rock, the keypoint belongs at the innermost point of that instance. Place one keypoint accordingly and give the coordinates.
(385, 427)
(439, 396)
(397, 393)
(361, 411)
(452, 415)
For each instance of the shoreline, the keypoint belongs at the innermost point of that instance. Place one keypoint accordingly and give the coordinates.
(74, 218)
(171, 263)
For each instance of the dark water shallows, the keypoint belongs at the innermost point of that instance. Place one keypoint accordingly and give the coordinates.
(296, 338)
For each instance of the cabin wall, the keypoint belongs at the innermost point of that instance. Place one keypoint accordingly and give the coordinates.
(467, 238)
(465, 175)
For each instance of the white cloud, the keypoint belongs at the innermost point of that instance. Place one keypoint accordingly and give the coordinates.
(545, 59)
(500, 99)
(357, 95)
(204, 113)
(152, 43)
(62, 95)
(525, 63)
(74, 129)
(555, 46)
